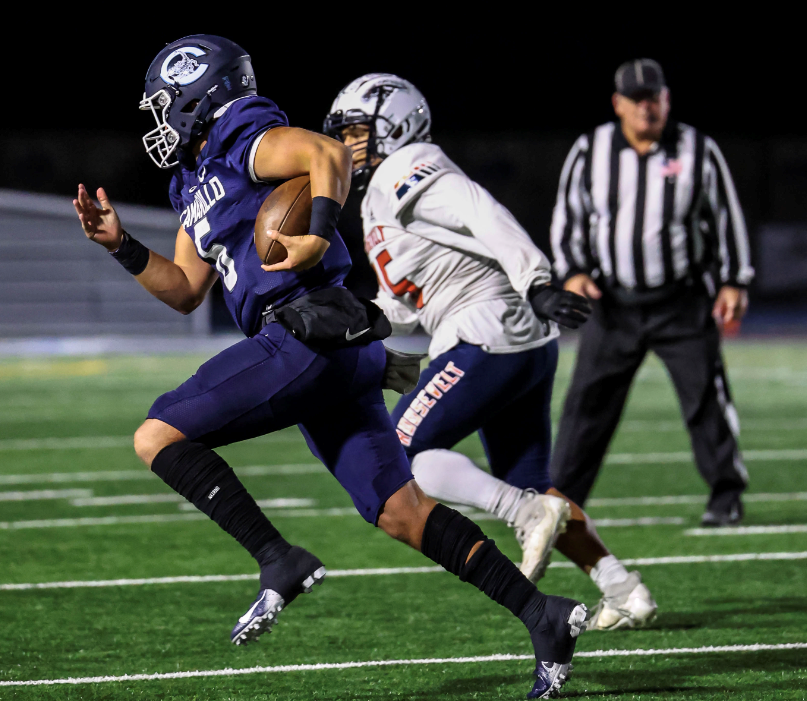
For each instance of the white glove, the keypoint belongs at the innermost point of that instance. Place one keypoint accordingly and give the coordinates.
(403, 371)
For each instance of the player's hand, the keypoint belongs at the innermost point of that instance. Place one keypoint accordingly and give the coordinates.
(730, 305)
(402, 371)
(581, 284)
(303, 251)
(100, 224)
(562, 306)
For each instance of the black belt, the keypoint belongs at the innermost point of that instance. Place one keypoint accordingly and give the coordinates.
(635, 298)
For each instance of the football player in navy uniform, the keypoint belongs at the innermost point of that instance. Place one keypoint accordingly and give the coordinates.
(229, 148)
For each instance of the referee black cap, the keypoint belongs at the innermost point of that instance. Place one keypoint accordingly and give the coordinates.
(640, 77)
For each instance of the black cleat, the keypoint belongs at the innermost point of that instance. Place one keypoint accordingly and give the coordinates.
(281, 582)
(723, 512)
(554, 639)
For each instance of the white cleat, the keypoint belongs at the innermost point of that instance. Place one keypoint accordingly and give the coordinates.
(539, 521)
(628, 604)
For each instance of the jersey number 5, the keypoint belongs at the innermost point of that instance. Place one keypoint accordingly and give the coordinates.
(217, 252)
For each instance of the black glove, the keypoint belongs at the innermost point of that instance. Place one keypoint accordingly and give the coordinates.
(565, 307)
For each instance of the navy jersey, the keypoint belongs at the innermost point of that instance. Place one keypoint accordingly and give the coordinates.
(218, 202)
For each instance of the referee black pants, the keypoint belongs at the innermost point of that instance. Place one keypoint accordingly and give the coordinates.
(613, 343)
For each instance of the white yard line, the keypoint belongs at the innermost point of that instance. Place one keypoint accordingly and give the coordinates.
(694, 499)
(299, 506)
(230, 672)
(99, 521)
(283, 503)
(144, 474)
(43, 494)
(201, 579)
(633, 426)
(276, 508)
(600, 522)
(686, 457)
(701, 559)
(646, 521)
(646, 425)
(367, 572)
(128, 499)
(797, 377)
(748, 530)
(60, 477)
(75, 443)
(93, 442)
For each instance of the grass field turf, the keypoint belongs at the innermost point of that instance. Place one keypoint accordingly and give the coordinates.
(163, 628)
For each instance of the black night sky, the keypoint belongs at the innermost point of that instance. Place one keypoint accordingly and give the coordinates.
(522, 73)
(510, 89)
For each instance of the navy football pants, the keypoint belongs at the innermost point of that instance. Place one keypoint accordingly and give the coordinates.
(273, 381)
(506, 397)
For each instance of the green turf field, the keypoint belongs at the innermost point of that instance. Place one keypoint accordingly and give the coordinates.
(65, 455)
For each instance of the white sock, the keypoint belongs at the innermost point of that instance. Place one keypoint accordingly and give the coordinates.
(453, 477)
(608, 571)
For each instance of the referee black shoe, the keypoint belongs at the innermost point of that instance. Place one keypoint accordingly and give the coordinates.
(724, 510)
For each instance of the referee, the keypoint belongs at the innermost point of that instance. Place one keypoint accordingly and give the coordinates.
(648, 226)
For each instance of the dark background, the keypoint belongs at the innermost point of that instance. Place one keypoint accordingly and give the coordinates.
(507, 103)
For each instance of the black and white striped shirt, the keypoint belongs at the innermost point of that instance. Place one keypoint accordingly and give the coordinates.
(643, 222)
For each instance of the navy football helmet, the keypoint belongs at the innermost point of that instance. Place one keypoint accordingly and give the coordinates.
(187, 86)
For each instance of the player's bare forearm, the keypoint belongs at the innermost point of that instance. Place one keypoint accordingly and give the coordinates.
(329, 170)
(172, 285)
(182, 285)
(288, 152)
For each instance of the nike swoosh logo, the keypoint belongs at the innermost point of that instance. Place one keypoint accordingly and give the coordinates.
(350, 336)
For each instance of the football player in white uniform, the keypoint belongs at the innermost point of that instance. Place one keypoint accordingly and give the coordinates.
(449, 257)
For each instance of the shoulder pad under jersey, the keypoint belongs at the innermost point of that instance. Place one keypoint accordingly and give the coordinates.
(410, 171)
(239, 124)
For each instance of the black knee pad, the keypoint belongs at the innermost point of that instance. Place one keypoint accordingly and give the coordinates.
(448, 538)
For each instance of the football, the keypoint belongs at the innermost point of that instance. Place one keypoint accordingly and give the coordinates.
(287, 210)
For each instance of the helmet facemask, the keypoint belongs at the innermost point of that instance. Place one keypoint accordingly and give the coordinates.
(337, 121)
(394, 111)
(161, 142)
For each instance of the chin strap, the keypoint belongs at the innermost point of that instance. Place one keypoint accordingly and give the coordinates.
(360, 178)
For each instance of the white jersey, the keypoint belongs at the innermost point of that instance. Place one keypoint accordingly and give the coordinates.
(450, 257)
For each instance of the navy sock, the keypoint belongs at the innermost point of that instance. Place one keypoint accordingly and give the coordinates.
(209, 483)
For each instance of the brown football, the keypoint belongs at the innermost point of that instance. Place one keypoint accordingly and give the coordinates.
(287, 210)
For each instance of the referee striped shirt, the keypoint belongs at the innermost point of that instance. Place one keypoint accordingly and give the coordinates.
(643, 222)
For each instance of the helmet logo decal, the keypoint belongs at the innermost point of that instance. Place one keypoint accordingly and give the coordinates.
(383, 92)
(179, 68)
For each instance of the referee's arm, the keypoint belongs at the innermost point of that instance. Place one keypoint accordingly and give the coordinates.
(568, 229)
(733, 249)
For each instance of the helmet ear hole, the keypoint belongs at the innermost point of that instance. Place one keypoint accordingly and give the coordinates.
(190, 107)
(398, 133)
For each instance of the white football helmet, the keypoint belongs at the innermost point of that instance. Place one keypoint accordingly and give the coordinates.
(393, 108)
